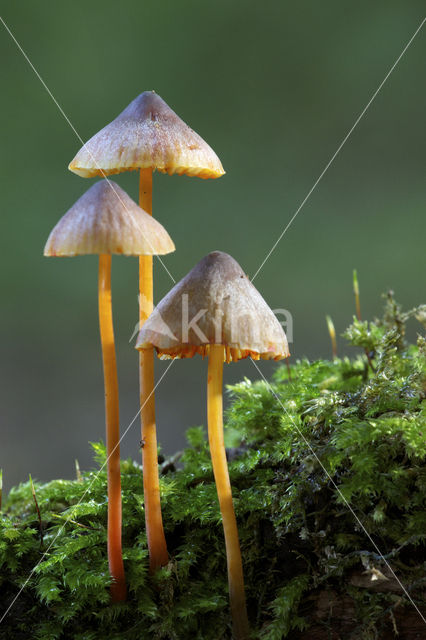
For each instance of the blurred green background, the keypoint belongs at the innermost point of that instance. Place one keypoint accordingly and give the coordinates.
(273, 87)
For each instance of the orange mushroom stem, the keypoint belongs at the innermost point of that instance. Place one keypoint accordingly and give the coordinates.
(220, 469)
(115, 558)
(157, 546)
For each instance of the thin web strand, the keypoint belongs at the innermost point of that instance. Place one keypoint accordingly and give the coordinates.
(78, 136)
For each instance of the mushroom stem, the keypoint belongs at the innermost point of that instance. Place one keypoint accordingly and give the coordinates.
(158, 556)
(223, 484)
(115, 558)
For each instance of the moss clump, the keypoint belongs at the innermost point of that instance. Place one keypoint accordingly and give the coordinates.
(301, 450)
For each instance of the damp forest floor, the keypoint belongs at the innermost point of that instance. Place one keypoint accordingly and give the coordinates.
(327, 465)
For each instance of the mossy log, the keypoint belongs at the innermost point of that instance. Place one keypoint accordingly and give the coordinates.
(329, 483)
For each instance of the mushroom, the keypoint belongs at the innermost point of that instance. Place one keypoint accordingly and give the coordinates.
(217, 312)
(105, 220)
(148, 135)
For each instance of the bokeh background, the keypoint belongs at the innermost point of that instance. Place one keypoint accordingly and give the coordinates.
(273, 87)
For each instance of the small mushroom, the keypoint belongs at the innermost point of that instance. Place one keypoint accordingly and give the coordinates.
(106, 221)
(217, 312)
(148, 135)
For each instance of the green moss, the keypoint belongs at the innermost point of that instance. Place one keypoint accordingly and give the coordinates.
(301, 450)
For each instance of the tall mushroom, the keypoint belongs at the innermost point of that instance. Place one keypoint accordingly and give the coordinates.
(148, 135)
(217, 312)
(106, 221)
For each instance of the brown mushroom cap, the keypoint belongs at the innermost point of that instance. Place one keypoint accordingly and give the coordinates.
(147, 134)
(106, 220)
(228, 310)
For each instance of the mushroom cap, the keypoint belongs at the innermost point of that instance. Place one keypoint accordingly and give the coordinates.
(106, 220)
(214, 304)
(147, 134)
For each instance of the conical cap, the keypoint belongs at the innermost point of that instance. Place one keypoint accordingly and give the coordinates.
(106, 220)
(214, 304)
(147, 134)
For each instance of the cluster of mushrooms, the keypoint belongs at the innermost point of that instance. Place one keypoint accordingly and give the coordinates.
(214, 311)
